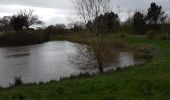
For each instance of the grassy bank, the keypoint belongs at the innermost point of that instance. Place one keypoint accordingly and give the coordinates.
(142, 82)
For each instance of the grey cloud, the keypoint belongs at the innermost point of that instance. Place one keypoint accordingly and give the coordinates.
(65, 7)
(62, 4)
(142, 4)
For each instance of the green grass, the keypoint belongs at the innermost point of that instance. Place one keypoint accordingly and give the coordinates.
(142, 82)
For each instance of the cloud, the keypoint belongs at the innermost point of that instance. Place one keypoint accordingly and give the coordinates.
(49, 11)
(62, 4)
(48, 15)
(57, 11)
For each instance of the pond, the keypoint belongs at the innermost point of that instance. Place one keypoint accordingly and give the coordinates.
(43, 62)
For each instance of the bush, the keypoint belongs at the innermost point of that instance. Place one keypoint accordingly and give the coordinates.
(151, 34)
(122, 35)
(165, 36)
(24, 37)
(156, 35)
(143, 51)
(118, 43)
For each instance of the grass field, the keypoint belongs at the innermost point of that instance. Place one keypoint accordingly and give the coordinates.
(142, 82)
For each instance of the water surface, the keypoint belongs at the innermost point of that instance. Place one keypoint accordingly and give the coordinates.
(42, 62)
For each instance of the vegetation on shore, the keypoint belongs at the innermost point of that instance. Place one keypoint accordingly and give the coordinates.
(23, 37)
(149, 81)
(140, 82)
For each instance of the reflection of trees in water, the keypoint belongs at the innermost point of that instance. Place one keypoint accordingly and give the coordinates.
(18, 55)
(85, 57)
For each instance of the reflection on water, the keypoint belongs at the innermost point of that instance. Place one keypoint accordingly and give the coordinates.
(18, 55)
(42, 62)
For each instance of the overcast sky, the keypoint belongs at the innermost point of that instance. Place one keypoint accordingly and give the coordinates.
(58, 11)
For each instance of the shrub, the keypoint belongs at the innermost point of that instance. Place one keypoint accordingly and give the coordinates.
(24, 37)
(151, 34)
(118, 43)
(122, 35)
(165, 36)
(145, 52)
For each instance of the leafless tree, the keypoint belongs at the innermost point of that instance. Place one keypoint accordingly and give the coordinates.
(85, 57)
(99, 53)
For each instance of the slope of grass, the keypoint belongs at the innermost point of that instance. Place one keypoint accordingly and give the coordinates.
(142, 82)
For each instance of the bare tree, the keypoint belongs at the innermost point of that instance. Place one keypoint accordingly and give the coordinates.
(85, 57)
(98, 49)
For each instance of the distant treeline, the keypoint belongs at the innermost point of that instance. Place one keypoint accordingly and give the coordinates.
(16, 29)
(154, 20)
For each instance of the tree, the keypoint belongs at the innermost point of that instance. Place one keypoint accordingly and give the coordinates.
(18, 22)
(60, 26)
(77, 26)
(5, 23)
(139, 23)
(24, 19)
(88, 11)
(55, 29)
(110, 21)
(155, 16)
(31, 19)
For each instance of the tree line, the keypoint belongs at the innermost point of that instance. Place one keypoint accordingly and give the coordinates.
(152, 21)
(22, 20)
(16, 29)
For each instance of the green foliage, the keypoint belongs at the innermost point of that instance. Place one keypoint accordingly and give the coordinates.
(154, 16)
(17, 22)
(112, 22)
(107, 23)
(155, 19)
(139, 23)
